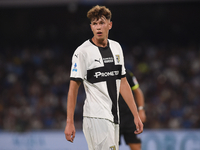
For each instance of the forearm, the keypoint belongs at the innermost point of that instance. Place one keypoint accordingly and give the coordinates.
(140, 103)
(71, 104)
(71, 100)
(139, 97)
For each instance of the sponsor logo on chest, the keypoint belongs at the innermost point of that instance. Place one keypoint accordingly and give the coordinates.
(106, 74)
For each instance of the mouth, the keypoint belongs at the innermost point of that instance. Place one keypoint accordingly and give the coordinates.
(99, 33)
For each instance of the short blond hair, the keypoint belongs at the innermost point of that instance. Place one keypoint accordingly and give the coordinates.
(98, 11)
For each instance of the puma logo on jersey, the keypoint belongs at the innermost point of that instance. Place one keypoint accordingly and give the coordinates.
(76, 55)
(97, 60)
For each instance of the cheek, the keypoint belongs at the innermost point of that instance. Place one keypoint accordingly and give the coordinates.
(108, 28)
(105, 28)
(92, 28)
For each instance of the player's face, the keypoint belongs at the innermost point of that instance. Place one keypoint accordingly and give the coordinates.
(100, 28)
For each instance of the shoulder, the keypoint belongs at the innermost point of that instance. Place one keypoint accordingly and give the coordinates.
(115, 45)
(112, 42)
(84, 47)
(86, 44)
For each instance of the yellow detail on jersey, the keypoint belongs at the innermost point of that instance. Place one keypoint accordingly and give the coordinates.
(117, 58)
(135, 87)
(112, 148)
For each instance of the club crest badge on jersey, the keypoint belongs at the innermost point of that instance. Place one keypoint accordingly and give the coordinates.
(75, 68)
(117, 58)
(112, 148)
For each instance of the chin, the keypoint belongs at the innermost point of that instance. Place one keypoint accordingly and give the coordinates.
(100, 38)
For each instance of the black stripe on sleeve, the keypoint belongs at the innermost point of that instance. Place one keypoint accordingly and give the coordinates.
(76, 79)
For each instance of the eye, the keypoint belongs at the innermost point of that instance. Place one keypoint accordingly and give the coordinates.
(94, 23)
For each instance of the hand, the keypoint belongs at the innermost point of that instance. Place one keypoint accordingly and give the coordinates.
(142, 115)
(70, 132)
(139, 125)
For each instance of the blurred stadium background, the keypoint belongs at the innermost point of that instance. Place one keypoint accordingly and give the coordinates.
(161, 43)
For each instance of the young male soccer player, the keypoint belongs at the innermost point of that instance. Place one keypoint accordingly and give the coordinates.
(127, 126)
(99, 64)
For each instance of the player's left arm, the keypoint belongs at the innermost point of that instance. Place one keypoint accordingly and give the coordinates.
(127, 95)
(139, 97)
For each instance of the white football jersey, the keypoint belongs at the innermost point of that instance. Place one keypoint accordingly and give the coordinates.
(101, 70)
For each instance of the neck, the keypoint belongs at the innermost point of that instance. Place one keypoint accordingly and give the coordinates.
(100, 43)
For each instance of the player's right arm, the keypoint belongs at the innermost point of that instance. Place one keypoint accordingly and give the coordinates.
(71, 104)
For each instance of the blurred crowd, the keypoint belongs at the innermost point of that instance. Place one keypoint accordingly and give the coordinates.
(169, 76)
(34, 84)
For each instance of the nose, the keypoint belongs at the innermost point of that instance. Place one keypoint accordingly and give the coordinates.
(98, 26)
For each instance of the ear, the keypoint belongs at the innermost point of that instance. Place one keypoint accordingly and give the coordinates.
(110, 25)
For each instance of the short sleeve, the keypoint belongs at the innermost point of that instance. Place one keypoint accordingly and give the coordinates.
(136, 85)
(132, 80)
(78, 68)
